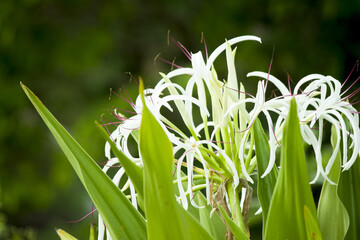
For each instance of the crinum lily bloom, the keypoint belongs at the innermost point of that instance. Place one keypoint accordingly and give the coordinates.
(215, 148)
(203, 78)
(319, 99)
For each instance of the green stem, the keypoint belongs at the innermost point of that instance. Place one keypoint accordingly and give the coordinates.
(220, 161)
(197, 177)
(234, 201)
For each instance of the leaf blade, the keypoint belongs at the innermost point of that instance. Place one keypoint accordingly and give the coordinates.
(332, 214)
(266, 185)
(101, 189)
(235, 229)
(292, 190)
(348, 191)
(159, 196)
(64, 235)
(312, 227)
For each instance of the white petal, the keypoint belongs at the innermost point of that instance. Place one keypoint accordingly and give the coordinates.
(222, 47)
(278, 84)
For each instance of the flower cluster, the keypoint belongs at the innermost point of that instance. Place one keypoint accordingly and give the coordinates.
(217, 145)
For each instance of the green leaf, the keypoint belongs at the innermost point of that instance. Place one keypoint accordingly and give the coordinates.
(349, 194)
(120, 217)
(312, 227)
(201, 216)
(191, 227)
(286, 219)
(163, 220)
(92, 233)
(166, 219)
(332, 215)
(266, 185)
(64, 235)
(235, 229)
(213, 224)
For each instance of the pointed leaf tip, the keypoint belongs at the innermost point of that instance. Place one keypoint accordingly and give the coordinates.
(64, 235)
(130, 224)
(141, 90)
(292, 190)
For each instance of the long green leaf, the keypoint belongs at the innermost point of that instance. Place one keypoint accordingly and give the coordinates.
(64, 235)
(332, 215)
(349, 194)
(201, 218)
(166, 219)
(120, 217)
(312, 227)
(235, 229)
(266, 185)
(286, 219)
(163, 220)
(92, 232)
(213, 224)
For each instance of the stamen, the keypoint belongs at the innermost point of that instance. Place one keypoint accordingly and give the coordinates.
(206, 50)
(110, 166)
(106, 128)
(130, 102)
(110, 94)
(350, 86)
(356, 64)
(171, 63)
(272, 58)
(182, 48)
(354, 103)
(132, 77)
(124, 110)
(273, 92)
(288, 80)
(352, 94)
(168, 37)
(92, 215)
(273, 130)
(309, 93)
(82, 217)
(156, 57)
(239, 91)
(188, 53)
(111, 123)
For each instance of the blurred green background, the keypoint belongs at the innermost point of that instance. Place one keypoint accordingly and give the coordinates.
(70, 53)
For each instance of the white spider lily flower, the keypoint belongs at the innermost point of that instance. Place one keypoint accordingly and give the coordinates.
(223, 46)
(220, 143)
(327, 104)
(202, 78)
(319, 99)
(184, 100)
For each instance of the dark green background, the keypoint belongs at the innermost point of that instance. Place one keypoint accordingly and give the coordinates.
(71, 52)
